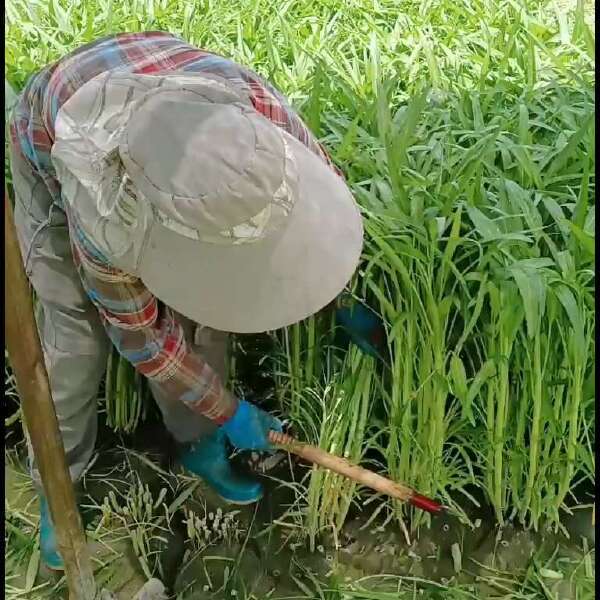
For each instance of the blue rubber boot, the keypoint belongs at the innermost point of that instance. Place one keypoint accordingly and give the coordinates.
(48, 549)
(208, 459)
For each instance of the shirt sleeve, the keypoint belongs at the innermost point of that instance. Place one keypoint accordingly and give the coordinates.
(148, 335)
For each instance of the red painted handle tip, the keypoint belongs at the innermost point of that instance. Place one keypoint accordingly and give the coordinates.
(425, 503)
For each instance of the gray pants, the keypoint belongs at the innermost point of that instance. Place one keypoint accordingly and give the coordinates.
(73, 339)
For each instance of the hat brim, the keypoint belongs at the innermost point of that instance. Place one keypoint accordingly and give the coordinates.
(270, 283)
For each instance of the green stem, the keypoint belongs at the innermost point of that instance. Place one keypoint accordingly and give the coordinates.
(536, 392)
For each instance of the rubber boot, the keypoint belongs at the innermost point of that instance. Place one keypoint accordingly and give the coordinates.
(48, 548)
(208, 459)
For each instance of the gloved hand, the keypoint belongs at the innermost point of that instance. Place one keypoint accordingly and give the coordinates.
(362, 326)
(249, 427)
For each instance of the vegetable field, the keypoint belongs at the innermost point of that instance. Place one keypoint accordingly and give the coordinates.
(466, 131)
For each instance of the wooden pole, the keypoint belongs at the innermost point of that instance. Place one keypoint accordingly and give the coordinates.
(27, 362)
(343, 467)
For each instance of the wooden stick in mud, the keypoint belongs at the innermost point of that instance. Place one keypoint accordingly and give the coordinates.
(27, 362)
(339, 465)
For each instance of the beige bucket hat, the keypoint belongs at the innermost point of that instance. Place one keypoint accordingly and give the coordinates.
(223, 215)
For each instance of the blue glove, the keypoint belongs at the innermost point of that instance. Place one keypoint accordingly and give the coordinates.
(249, 427)
(363, 327)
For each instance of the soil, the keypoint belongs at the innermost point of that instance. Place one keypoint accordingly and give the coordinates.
(267, 561)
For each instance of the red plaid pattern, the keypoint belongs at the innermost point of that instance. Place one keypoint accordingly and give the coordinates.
(143, 329)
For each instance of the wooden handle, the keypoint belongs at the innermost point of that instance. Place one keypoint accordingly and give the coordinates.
(342, 466)
(27, 362)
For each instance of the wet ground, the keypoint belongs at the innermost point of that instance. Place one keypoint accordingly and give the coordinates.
(261, 554)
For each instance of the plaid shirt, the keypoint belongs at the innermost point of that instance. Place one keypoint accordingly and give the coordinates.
(145, 331)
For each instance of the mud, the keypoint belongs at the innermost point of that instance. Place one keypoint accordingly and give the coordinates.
(268, 560)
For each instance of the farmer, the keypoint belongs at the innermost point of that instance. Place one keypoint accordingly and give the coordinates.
(164, 196)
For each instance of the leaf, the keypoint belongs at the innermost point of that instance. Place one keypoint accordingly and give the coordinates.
(488, 369)
(521, 199)
(454, 237)
(32, 569)
(535, 263)
(182, 497)
(524, 135)
(459, 386)
(567, 299)
(532, 287)
(13, 418)
(563, 26)
(583, 200)
(570, 148)
(398, 135)
(589, 226)
(557, 214)
(304, 588)
(475, 313)
(585, 239)
(485, 226)
(510, 320)
(62, 17)
(550, 574)
(488, 230)
(525, 161)
(456, 557)
(161, 497)
(314, 105)
(569, 303)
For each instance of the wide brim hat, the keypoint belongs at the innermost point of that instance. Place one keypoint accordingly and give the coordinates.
(224, 216)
